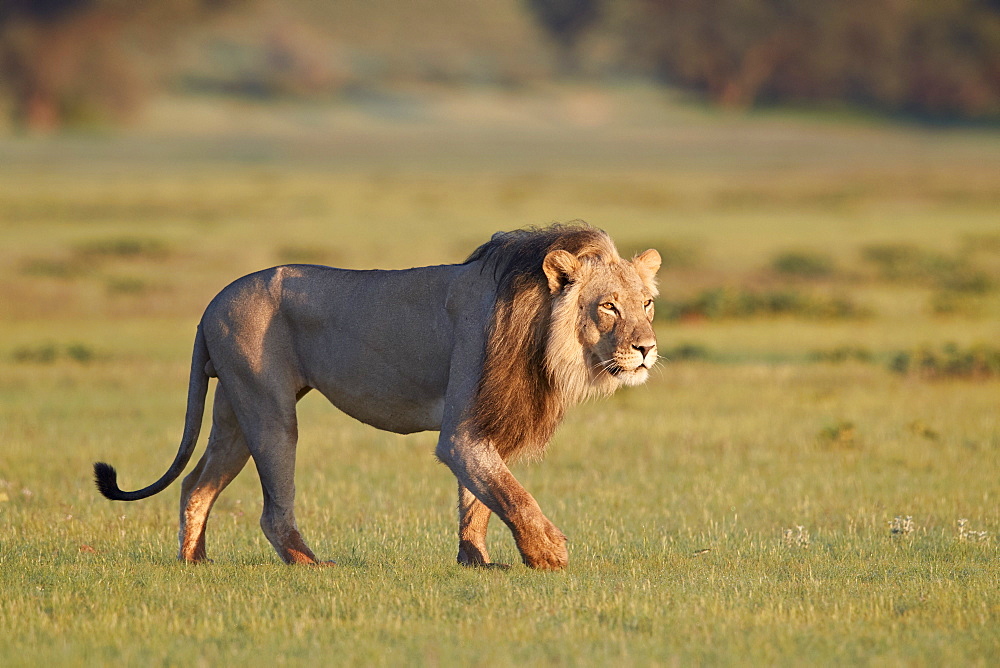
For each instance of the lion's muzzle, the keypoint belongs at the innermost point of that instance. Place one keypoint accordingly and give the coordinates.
(631, 366)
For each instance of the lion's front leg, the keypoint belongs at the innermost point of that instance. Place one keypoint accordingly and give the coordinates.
(483, 475)
(473, 520)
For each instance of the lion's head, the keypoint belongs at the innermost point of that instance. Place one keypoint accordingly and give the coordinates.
(601, 334)
(572, 319)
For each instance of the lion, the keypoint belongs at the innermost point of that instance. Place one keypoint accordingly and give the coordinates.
(490, 353)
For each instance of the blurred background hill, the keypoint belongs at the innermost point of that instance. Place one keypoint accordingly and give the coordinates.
(72, 63)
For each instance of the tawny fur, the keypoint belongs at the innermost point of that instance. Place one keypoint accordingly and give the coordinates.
(490, 353)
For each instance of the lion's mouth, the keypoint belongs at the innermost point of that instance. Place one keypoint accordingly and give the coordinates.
(615, 369)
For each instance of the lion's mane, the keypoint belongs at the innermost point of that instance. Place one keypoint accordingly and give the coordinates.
(532, 370)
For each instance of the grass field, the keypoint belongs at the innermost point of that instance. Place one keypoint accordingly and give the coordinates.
(748, 505)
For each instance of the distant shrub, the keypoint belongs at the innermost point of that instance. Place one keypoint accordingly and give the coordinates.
(842, 354)
(48, 353)
(729, 303)
(123, 247)
(64, 268)
(803, 264)
(41, 354)
(895, 261)
(87, 257)
(949, 303)
(685, 352)
(126, 285)
(966, 280)
(79, 352)
(949, 361)
(906, 263)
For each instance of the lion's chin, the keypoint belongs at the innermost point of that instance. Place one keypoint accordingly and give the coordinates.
(618, 376)
(636, 376)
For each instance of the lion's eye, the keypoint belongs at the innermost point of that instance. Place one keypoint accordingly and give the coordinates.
(608, 306)
(647, 303)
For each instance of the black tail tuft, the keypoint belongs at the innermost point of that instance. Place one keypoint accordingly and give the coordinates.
(107, 481)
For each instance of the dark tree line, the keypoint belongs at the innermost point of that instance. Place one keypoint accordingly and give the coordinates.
(71, 60)
(933, 58)
(66, 60)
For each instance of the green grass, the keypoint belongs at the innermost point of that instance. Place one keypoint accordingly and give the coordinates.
(675, 495)
(641, 484)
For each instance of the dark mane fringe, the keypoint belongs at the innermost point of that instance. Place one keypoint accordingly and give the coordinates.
(517, 407)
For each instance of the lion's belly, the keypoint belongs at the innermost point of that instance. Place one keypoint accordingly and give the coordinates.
(391, 411)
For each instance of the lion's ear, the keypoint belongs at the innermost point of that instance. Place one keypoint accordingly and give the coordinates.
(560, 267)
(647, 263)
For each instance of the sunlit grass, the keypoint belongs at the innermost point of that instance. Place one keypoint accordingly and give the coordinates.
(676, 496)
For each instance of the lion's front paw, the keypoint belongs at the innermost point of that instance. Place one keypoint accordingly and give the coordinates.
(544, 549)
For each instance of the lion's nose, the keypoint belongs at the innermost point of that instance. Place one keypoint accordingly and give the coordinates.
(643, 348)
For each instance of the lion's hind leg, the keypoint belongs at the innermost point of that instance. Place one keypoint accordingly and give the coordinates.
(473, 520)
(224, 458)
(271, 433)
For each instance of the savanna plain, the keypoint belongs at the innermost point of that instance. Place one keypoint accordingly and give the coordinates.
(809, 477)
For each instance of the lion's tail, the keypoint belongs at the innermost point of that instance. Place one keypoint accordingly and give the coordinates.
(105, 475)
